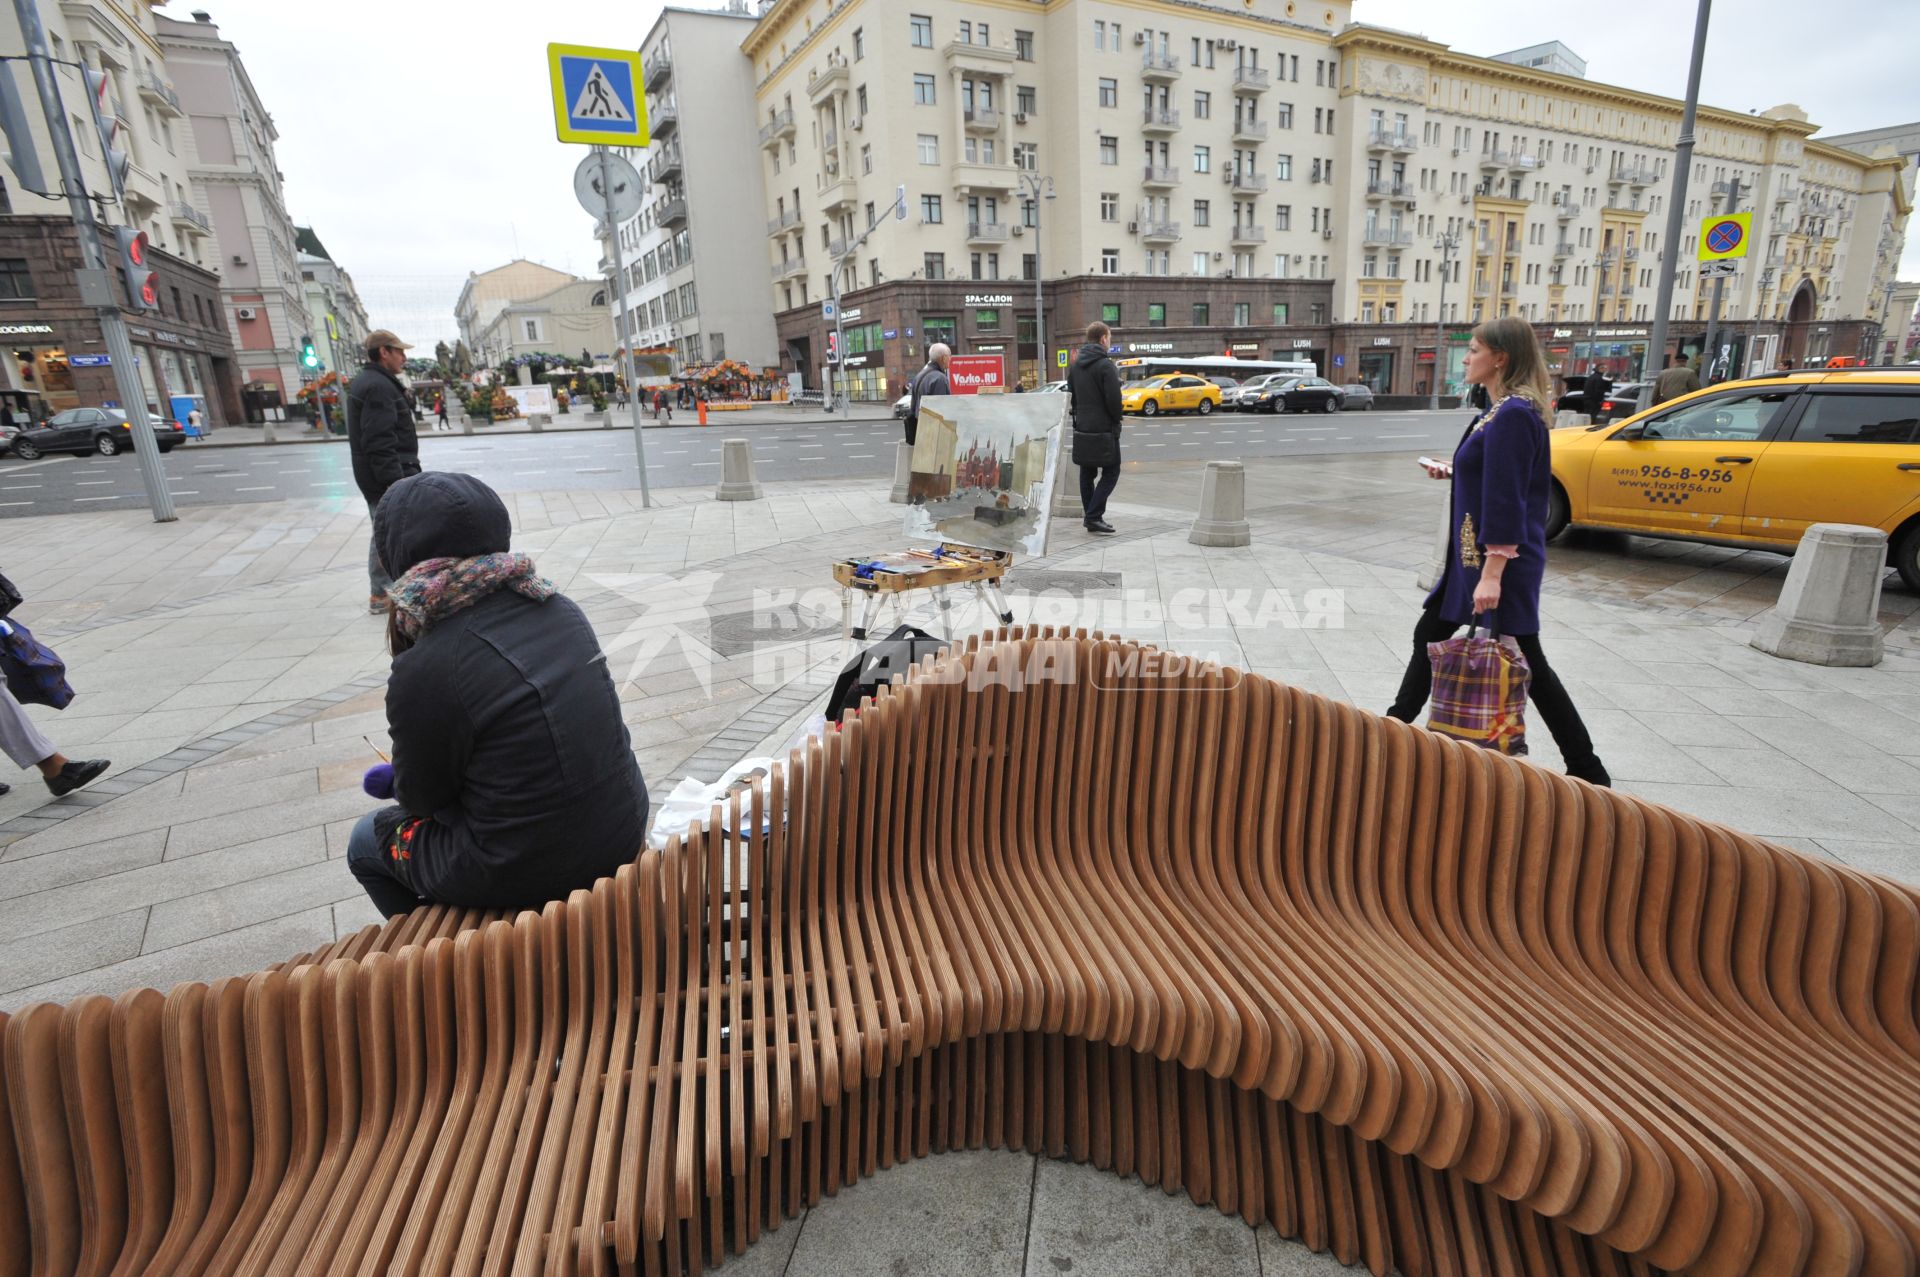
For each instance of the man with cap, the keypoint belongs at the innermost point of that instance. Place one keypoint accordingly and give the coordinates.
(381, 437)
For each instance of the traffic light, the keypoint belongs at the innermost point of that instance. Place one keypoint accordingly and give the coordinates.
(143, 284)
(103, 119)
(309, 357)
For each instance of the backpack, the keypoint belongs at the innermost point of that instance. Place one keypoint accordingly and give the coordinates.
(893, 655)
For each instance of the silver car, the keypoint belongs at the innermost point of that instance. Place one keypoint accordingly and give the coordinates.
(1246, 396)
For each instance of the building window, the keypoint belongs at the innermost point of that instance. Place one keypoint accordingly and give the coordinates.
(1202, 105)
(860, 96)
(1202, 314)
(1025, 99)
(1202, 159)
(1109, 92)
(1366, 312)
(1283, 171)
(1109, 261)
(1199, 262)
(866, 158)
(1023, 45)
(1026, 155)
(859, 43)
(1280, 312)
(1029, 213)
(1156, 314)
(1316, 313)
(1369, 266)
(922, 28)
(929, 148)
(1099, 34)
(179, 308)
(1109, 206)
(533, 330)
(923, 90)
(1203, 212)
(1110, 312)
(930, 209)
(1283, 217)
(987, 320)
(1284, 115)
(1242, 314)
(1029, 266)
(16, 281)
(1109, 150)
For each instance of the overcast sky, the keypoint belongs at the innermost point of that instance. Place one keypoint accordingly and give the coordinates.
(417, 138)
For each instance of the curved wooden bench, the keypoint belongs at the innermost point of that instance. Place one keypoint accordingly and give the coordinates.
(1413, 1003)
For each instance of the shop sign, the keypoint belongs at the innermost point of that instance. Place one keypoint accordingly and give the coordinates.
(970, 374)
(1621, 332)
(26, 330)
(1383, 341)
(850, 315)
(989, 299)
(1423, 357)
(1303, 343)
(1240, 346)
(151, 334)
(90, 361)
(1148, 347)
(890, 333)
(856, 361)
(1563, 332)
(999, 348)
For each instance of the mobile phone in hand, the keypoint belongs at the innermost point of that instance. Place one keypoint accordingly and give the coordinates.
(1433, 464)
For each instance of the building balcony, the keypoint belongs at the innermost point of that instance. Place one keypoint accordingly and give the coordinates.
(1251, 80)
(158, 92)
(1631, 174)
(780, 126)
(1158, 232)
(836, 248)
(666, 162)
(783, 223)
(1389, 140)
(670, 211)
(1493, 159)
(987, 232)
(1484, 246)
(839, 194)
(830, 145)
(1509, 288)
(1562, 251)
(1160, 121)
(979, 59)
(822, 83)
(1386, 237)
(1160, 176)
(663, 119)
(1522, 163)
(1386, 189)
(1511, 248)
(792, 268)
(1481, 288)
(1566, 211)
(982, 119)
(190, 219)
(1159, 67)
(1629, 254)
(1254, 131)
(1248, 183)
(1247, 235)
(656, 70)
(985, 177)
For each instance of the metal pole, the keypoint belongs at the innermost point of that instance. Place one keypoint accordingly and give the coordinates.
(1719, 287)
(113, 326)
(839, 340)
(1035, 183)
(1447, 244)
(618, 297)
(1677, 203)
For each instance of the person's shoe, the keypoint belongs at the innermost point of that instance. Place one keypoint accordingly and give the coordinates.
(76, 774)
(376, 604)
(5, 789)
(1099, 525)
(1593, 772)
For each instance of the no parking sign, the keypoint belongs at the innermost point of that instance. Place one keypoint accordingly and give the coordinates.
(1724, 236)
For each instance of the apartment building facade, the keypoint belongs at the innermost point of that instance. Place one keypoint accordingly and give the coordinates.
(695, 280)
(573, 320)
(1260, 178)
(487, 293)
(237, 180)
(340, 324)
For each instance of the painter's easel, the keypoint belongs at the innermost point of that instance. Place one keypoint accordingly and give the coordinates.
(899, 573)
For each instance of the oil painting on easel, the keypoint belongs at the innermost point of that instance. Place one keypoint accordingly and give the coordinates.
(983, 470)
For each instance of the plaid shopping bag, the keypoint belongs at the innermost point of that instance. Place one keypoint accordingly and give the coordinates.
(34, 674)
(1480, 690)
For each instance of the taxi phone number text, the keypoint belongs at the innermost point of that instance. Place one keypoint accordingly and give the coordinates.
(1687, 472)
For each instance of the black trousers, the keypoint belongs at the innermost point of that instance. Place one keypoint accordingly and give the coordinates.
(1545, 690)
(1096, 485)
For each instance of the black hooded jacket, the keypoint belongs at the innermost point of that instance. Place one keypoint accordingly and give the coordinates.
(507, 735)
(1094, 384)
(380, 433)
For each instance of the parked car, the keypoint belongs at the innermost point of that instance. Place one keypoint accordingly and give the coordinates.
(1244, 397)
(1356, 394)
(7, 432)
(1622, 401)
(1754, 463)
(102, 430)
(1227, 385)
(1295, 394)
(1169, 392)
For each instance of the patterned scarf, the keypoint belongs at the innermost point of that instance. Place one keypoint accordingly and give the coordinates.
(437, 588)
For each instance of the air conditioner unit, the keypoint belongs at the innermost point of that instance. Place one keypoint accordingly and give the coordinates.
(1018, 231)
(858, 124)
(1019, 117)
(1327, 233)
(239, 260)
(1229, 45)
(1456, 152)
(1133, 228)
(245, 312)
(1219, 256)
(1139, 37)
(1298, 258)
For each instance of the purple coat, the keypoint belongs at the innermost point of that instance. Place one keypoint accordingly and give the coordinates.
(1502, 475)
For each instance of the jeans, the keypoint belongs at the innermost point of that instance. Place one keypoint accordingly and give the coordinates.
(1095, 491)
(1545, 690)
(377, 872)
(377, 578)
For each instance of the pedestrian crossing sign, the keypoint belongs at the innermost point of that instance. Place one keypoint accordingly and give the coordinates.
(596, 95)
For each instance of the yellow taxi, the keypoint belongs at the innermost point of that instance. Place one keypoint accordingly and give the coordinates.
(1169, 392)
(1753, 463)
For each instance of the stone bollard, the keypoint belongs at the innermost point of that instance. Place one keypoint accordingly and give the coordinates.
(1223, 507)
(736, 473)
(1066, 492)
(537, 422)
(902, 472)
(1829, 607)
(1436, 564)
(466, 423)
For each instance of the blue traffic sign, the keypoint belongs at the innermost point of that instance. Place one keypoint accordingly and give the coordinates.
(89, 361)
(596, 95)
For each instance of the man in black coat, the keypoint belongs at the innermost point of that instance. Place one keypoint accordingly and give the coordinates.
(1094, 383)
(930, 380)
(1599, 386)
(381, 437)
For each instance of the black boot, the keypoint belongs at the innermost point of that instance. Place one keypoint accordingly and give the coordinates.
(1099, 525)
(1592, 770)
(76, 774)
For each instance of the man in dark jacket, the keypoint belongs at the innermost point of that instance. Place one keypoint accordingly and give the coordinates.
(930, 380)
(512, 767)
(1599, 386)
(1675, 380)
(1094, 383)
(381, 437)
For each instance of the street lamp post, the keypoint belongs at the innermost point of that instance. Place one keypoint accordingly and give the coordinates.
(1448, 244)
(839, 324)
(1036, 184)
(1676, 208)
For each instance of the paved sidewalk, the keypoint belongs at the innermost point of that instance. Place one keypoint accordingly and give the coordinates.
(298, 432)
(226, 664)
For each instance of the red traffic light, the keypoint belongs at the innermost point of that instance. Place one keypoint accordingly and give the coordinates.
(136, 248)
(150, 292)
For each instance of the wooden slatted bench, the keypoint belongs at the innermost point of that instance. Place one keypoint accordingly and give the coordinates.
(1418, 1005)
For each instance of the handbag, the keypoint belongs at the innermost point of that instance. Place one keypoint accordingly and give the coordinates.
(1095, 448)
(10, 596)
(35, 674)
(1480, 689)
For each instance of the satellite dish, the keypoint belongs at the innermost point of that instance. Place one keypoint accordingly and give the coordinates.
(623, 200)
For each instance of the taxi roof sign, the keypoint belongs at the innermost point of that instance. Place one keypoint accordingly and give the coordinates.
(1724, 236)
(596, 95)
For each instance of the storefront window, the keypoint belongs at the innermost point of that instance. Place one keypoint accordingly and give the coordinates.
(987, 320)
(1156, 314)
(867, 384)
(864, 338)
(941, 328)
(1109, 312)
